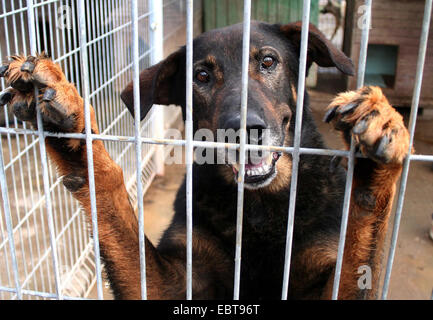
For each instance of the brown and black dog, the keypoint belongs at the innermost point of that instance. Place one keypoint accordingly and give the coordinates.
(272, 94)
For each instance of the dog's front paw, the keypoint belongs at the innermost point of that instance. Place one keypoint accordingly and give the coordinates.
(59, 102)
(376, 126)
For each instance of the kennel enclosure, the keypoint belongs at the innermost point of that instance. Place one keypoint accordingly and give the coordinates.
(45, 248)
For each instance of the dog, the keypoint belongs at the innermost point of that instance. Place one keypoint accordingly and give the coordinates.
(335, 11)
(364, 115)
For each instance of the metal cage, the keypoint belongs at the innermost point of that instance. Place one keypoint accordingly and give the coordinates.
(61, 262)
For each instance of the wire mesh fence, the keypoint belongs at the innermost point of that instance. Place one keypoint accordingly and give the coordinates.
(101, 46)
(109, 50)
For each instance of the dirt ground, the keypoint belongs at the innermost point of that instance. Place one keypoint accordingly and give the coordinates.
(412, 275)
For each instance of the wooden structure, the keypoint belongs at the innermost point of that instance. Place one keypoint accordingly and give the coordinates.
(221, 13)
(393, 48)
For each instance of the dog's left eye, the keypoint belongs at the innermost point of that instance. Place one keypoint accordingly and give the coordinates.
(268, 62)
(202, 76)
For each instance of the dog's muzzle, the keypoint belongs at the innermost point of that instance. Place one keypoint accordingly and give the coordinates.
(260, 172)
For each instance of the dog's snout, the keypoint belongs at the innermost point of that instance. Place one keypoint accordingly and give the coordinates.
(255, 126)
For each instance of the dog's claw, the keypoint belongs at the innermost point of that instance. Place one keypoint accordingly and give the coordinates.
(49, 95)
(330, 114)
(360, 127)
(28, 66)
(3, 70)
(380, 151)
(347, 108)
(334, 163)
(6, 96)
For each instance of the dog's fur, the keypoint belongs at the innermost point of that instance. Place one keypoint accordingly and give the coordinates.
(364, 115)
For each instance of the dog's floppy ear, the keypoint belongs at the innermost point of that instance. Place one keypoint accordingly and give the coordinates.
(320, 49)
(157, 85)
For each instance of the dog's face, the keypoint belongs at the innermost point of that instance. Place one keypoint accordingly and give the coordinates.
(272, 91)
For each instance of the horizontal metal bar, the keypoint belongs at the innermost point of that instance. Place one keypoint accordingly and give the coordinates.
(70, 53)
(31, 211)
(40, 4)
(41, 294)
(115, 30)
(45, 255)
(19, 155)
(83, 255)
(115, 121)
(48, 250)
(10, 13)
(99, 89)
(202, 144)
(420, 157)
(170, 3)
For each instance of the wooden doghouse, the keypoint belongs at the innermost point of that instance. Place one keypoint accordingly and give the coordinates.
(393, 48)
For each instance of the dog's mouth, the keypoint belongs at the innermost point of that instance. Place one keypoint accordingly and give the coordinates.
(259, 173)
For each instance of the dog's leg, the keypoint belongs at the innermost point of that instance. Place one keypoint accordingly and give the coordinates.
(381, 136)
(62, 110)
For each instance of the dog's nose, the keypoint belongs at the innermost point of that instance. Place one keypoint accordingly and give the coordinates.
(255, 126)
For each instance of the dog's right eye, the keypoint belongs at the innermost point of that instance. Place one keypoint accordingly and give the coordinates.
(268, 62)
(202, 76)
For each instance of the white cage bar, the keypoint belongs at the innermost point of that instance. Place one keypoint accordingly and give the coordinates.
(108, 46)
(88, 40)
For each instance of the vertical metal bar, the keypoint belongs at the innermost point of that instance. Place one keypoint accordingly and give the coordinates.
(156, 55)
(71, 235)
(20, 161)
(136, 79)
(412, 124)
(59, 214)
(189, 144)
(5, 257)
(98, 53)
(10, 149)
(73, 37)
(89, 147)
(296, 144)
(9, 226)
(43, 154)
(351, 161)
(106, 72)
(364, 45)
(242, 149)
(344, 220)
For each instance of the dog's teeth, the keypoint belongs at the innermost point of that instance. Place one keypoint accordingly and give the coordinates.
(258, 171)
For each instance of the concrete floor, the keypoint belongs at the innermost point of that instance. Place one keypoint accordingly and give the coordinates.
(412, 276)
